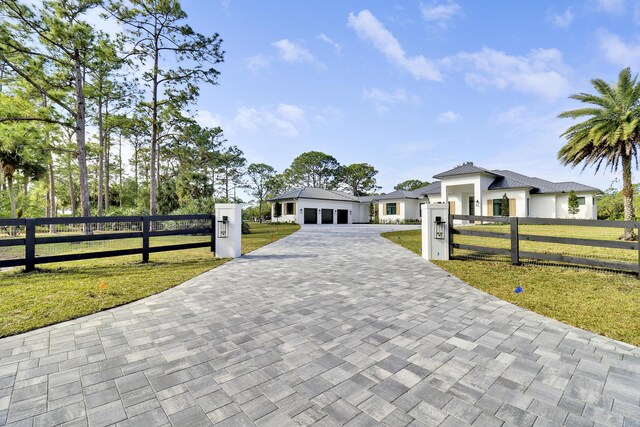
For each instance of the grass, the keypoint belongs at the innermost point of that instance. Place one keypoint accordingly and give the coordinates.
(605, 303)
(63, 291)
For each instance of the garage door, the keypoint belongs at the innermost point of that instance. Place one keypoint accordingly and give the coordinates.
(343, 216)
(310, 216)
(327, 216)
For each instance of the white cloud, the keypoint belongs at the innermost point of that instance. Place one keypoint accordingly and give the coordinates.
(208, 119)
(257, 62)
(439, 14)
(617, 51)
(382, 100)
(292, 52)
(541, 72)
(285, 119)
(563, 20)
(337, 46)
(612, 7)
(449, 117)
(368, 28)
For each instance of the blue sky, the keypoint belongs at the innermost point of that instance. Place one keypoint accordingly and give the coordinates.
(413, 88)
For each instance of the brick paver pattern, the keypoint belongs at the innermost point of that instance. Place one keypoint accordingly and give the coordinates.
(333, 325)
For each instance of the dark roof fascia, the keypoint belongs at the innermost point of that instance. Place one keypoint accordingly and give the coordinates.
(524, 187)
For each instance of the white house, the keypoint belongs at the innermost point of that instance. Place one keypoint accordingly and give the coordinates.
(309, 205)
(469, 190)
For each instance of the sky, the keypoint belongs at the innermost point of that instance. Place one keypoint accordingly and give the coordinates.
(412, 87)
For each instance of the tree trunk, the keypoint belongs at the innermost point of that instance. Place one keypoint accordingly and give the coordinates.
(627, 195)
(120, 169)
(153, 185)
(100, 155)
(25, 185)
(81, 136)
(260, 211)
(12, 196)
(135, 167)
(107, 173)
(226, 184)
(12, 199)
(52, 196)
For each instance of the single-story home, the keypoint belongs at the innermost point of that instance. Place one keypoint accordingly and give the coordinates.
(310, 205)
(469, 190)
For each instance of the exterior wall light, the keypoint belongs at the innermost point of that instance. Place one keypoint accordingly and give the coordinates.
(223, 227)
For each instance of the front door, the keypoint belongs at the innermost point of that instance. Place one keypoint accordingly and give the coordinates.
(343, 216)
(310, 216)
(472, 205)
(327, 216)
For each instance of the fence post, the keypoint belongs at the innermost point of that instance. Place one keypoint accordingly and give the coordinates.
(515, 241)
(145, 239)
(638, 246)
(30, 245)
(213, 233)
(450, 231)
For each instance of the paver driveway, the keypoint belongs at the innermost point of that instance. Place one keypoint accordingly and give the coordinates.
(332, 325)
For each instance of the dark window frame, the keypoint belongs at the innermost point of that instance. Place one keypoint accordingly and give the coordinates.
(388, 208)
(497, 207)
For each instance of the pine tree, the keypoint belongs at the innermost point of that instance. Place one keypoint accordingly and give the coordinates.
(574, 205)
(504, 206)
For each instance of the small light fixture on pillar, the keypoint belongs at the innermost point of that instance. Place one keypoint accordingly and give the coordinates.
(223, 228)
(477, 203)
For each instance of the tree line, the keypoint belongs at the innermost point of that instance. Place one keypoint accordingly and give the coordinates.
(72, 96)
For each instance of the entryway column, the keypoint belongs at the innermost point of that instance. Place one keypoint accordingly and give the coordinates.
(228, 230)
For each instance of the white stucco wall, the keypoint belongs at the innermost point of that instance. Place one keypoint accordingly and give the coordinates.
(587, 211)
(520, 197)
(542, 205)
(409, 210)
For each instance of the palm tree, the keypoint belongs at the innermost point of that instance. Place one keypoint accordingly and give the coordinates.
(609, 135)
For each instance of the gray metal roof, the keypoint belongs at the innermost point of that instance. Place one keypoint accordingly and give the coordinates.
(315, 193)
(510, 179)
(464, 169)
(433, 188)
(367, 198)
(398, 194)
(504, 179)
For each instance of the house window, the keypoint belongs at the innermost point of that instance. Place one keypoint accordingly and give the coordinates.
(392, 208)
(581, 201)
(497, 207)
(289, 209)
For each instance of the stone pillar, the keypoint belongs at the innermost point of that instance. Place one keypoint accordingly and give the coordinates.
(435, 231)
(230, 246)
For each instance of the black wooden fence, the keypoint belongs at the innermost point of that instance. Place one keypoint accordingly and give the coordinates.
(142, 227)
(515, 237)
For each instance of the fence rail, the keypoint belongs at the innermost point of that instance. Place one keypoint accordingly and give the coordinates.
(515, 237)
(145, 227)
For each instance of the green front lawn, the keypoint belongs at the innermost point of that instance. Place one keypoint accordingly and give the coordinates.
(63, 291)
(604, 303)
